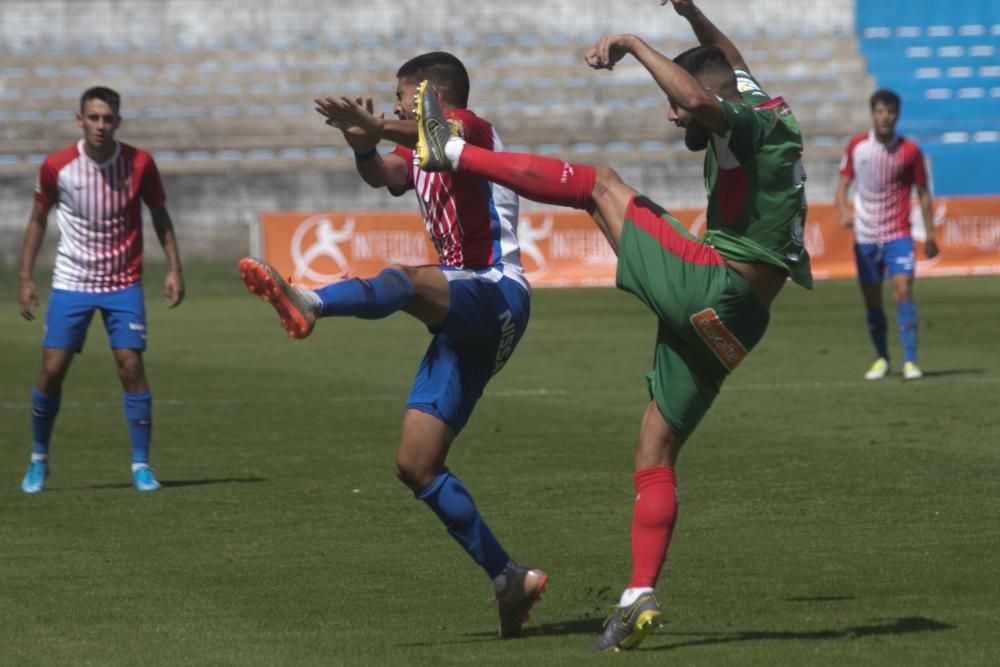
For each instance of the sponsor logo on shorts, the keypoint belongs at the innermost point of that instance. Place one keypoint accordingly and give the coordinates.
(136, 326)
(719, 339)
(506, 346)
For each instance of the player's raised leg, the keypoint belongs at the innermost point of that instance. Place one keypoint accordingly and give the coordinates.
(597, 190)
(367, 298)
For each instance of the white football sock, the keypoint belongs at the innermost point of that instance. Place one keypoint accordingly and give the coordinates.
(453, 150)
(631, 595)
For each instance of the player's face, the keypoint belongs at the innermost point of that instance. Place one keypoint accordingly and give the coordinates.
(406, 99)
(99, 123)
(884, 119)
(695, 135)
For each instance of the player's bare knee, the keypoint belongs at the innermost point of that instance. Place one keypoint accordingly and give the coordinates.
(606, 179)
(130, 372)
(51, 376)
(415, 477)
(50, 380)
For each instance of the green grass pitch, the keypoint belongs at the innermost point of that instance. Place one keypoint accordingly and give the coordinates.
(823, 520)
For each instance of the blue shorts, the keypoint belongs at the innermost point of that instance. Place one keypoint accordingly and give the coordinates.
(486, 318)
(876, 260)
(69, 313)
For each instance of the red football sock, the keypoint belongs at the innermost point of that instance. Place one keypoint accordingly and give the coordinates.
(542, 179)
(652, 523)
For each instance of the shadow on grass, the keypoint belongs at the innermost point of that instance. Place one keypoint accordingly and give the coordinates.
(592, 627)
(899, 626)
(168, 483)
(583, 626)
(954, 371)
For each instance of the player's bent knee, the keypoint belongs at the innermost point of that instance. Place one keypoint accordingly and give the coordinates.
(415, 477)
(606, 179)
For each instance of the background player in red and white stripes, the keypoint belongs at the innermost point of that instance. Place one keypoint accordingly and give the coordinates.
(884, 168)
(97, 187)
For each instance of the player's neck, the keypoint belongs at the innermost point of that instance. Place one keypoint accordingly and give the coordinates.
(99, 155)
(885, 138)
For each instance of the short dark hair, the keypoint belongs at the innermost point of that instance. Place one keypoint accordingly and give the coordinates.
(886, 97)
(703, 59)
(106, 95)
(444, 71)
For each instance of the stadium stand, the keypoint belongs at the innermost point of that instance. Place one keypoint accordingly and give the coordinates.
(221, 91)
(943, 59)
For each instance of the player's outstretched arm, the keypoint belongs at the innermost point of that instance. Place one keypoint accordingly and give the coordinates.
(27, 298)
(363, 130)
(173, 285)
(707, 33)
(681, 88)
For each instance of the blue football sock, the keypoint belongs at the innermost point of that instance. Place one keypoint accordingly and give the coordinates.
(367, 298)
(449, 499)
(877, 327)
(139, 417)
(906, 321)
(43, 417)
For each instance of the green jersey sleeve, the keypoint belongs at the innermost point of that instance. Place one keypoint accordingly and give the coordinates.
(749, 88)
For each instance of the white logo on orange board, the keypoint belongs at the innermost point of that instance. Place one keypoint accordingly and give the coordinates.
(527, 237)
(326, 244)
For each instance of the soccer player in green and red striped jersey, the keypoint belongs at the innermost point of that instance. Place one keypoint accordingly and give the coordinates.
(711, 295)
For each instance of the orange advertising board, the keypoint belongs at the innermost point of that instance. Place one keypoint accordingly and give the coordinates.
(565, 248)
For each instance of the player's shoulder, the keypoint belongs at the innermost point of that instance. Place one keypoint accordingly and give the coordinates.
(471, 127)
(909, 145)
(134, 153)
(62, 157)
(857, 139)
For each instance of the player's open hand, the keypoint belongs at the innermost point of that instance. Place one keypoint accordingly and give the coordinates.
(173, 289)
(608, 51)
(931, 248)
(356, 118)
(27, 299)
(683, 7)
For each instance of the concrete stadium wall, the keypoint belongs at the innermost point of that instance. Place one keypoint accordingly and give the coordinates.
(43, 23)
(215, 213)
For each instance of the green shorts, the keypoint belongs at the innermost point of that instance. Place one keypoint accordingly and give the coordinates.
(709, 317)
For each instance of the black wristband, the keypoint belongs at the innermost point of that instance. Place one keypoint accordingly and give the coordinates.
(363, 157)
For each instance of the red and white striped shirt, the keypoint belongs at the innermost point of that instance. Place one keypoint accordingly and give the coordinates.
(99, 214)
(471, 221)
(884, 175)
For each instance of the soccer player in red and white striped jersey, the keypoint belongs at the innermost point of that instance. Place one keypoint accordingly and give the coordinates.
(97, 187)
(475, 302)
(884, 168)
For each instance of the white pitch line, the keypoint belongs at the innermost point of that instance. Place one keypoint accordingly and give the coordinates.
(540, 392)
